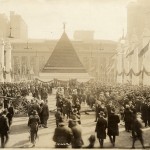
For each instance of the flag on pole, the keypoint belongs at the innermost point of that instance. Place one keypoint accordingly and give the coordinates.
(144, 50)
(111, 64)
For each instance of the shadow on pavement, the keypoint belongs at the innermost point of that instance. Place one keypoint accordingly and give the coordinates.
(19, 129)
(21, 144)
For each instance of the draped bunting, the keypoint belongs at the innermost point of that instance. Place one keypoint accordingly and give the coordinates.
(43, 81)
(56, 82)
(134, 73)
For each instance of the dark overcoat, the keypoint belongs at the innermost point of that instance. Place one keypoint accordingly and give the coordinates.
(4, 126)
(45, 110)
(62, 136)
(144, 112)
(128, 115)
(101, 128)
(77, 141)
(113, 121)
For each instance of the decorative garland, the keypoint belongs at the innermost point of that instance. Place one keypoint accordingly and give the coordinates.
(131, 71)
(43, 81)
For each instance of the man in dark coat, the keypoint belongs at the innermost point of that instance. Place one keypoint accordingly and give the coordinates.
(33, 123)
(144, 113)
(101, 128)
(77, 141)
(62, 136)
(113, 129)
(4, 128)
(10, 114)
(45, 114)
(127, 118)
(148, 113)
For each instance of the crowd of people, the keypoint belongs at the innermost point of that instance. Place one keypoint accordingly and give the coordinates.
(36, 107)
(112, 104)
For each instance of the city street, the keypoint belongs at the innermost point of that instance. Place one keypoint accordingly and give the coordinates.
(19, 135)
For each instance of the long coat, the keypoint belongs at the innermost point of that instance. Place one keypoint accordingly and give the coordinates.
(4, 126)
(45, 110)
(144, 112)
(113, 121)
(77, 141)
(128, 115)
(101, 128)
(62, 136)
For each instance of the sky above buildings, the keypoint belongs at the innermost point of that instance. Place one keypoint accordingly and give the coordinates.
(45, 18)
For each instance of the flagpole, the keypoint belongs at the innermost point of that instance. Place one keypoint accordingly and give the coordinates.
(122, 52)
(122, 68)
(143, 51)
(143, 69)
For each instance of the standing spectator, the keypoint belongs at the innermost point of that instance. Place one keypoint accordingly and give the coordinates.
(149, 113)
(144, 113)
(109, 107)
(113, 129)
(10, 113)
(101, 128)
(45, 114)
(127, 118)
(58, 116)
(4, 128)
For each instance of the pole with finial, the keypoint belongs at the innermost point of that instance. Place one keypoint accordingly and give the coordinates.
(10, 36)
(64, 26)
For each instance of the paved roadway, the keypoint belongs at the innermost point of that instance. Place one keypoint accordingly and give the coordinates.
(19, 135)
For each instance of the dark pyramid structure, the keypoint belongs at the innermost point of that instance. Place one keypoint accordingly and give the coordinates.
(64, 58)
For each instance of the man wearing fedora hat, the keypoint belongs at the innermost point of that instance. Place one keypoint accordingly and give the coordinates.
(101, 128)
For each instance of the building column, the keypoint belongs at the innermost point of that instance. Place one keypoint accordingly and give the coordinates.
(8, 61)
(1, 60)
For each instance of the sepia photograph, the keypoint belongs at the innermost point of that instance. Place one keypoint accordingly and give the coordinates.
(75, 74)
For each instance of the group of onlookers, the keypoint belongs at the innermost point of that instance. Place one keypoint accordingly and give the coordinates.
(113, 105)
